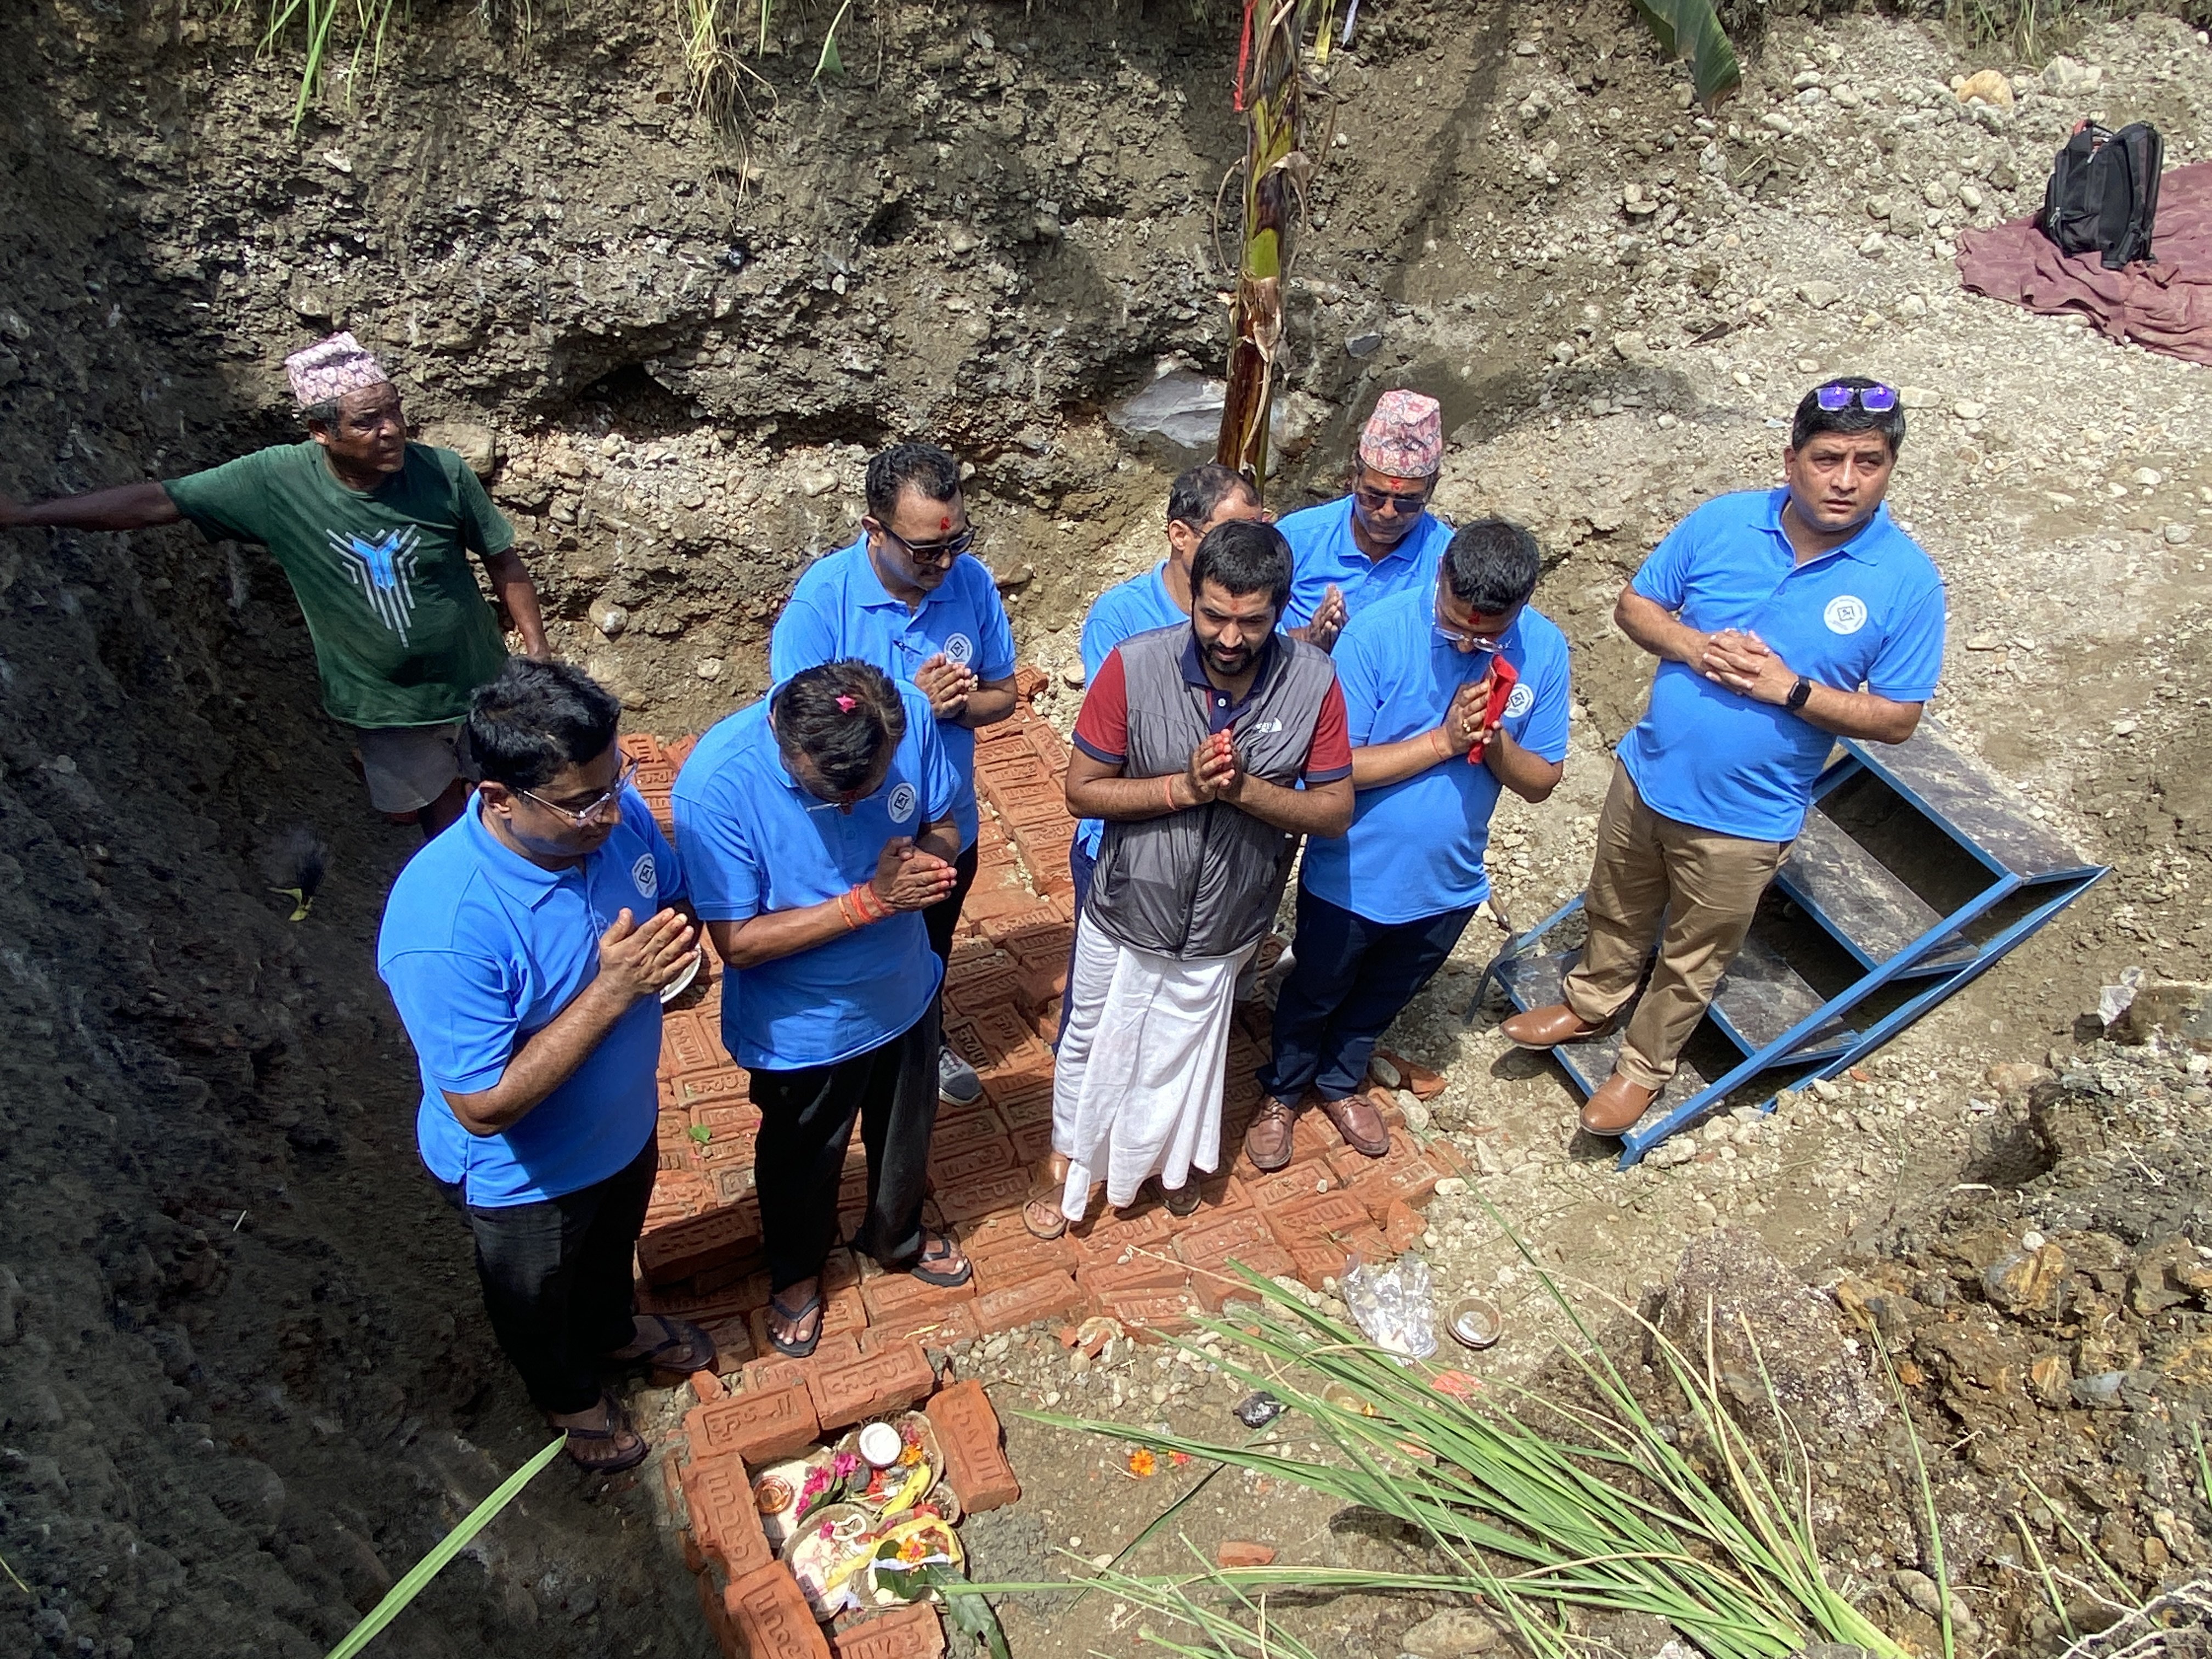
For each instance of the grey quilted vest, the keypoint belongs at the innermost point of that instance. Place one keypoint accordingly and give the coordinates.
(1204, 882)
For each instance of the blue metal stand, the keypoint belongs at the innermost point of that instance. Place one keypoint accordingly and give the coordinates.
(1906, 951)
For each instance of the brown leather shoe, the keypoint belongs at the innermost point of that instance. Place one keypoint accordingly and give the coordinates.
(1268, 1142)
(1549, 1026)
(1616, 1106)
(1360, 1124)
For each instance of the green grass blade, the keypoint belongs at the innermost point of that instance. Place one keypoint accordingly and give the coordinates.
(830, 62)
(1541, 1503)
(2050, 1579)
(397, 1598)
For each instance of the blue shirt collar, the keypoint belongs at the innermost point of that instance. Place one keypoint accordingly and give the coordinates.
(1861, 546)
(509, 869)
(872, 595)
(1405, 543)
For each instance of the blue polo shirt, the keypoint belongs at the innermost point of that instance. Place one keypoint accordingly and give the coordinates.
(1414, 849)
(1135, 606)
(1322, 551)
(839, 610)
(481, 949)
(754, 840)
(1868, 613)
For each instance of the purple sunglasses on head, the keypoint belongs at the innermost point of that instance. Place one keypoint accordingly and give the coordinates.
(1875, 400)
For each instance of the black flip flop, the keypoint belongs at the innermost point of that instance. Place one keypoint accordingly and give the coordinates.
(618, 1424)
(799, 1347)
(944, 1281)
(675, 1333)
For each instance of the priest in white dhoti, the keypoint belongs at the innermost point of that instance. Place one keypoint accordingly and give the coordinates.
(1192, 746)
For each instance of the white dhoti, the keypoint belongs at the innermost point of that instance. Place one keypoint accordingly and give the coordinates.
(1136, 1087)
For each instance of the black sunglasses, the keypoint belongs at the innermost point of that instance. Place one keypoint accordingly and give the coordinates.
(930, 552)
(1370, 498)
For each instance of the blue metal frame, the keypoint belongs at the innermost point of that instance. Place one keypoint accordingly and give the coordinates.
(1943, 977)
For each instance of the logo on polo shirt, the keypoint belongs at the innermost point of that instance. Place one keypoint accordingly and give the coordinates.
(644, 877)
(1846, 614)
(1519, 702)
(902, 803)
(959, 649)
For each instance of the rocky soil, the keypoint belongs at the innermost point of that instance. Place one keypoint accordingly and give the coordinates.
(243, 1379)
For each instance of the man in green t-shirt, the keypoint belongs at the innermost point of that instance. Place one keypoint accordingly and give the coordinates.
(374, 533)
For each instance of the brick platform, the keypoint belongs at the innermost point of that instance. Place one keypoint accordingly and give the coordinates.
(699, 1257)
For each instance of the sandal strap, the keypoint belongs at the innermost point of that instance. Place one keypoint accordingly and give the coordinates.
(811, 1309)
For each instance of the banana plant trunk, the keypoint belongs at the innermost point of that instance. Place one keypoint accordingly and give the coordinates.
(1275, 165)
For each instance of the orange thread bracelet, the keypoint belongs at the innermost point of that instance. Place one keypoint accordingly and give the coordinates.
(1168, 790)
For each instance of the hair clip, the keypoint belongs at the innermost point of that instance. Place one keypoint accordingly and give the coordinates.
(848, 704)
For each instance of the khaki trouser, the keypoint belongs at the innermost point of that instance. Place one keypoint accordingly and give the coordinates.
(1706, 884)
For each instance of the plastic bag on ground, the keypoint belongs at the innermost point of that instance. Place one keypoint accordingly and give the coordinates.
(1393, 1306)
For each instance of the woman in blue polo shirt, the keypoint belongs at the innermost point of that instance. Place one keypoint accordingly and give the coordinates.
(817, 826)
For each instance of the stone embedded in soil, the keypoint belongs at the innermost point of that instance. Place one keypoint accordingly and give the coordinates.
(1449, 1635)
(1732, 1278)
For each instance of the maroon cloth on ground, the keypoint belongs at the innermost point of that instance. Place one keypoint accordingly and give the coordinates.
(2163, 306)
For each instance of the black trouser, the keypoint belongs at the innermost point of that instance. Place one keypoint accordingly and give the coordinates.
(943, 916)
(807, 1122)
(1348, 981)
(556, 1279)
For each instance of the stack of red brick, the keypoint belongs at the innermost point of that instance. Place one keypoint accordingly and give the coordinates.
(701, 1253)
(752, 1603)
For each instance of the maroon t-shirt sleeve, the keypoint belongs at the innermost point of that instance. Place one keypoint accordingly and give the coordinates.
(1328, 758)
(1102, 730)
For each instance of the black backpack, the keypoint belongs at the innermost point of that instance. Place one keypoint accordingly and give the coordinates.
(2103, 193)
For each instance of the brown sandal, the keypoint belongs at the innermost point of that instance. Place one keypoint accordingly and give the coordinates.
(618, 1425)
(682, 1349)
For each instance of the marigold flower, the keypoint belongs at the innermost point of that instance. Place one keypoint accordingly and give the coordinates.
(1142, 1463)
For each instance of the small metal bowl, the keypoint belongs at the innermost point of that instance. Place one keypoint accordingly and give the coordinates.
(1474, 1321)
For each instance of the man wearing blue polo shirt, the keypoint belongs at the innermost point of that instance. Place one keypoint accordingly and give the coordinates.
(1380, 905)
(526, 947)
(908, 597)
(1378, 539)
(817, 830)
(1783, 620)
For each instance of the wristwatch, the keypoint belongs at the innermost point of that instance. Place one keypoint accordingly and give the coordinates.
(1798, 694)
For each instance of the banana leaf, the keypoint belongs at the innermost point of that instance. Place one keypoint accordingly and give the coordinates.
(1691, 29)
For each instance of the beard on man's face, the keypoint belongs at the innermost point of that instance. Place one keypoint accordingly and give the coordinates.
(1231, 660)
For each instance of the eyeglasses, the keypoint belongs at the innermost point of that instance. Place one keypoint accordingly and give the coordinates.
(582, 816)
(1454, 637)
(1373, 499)
(1876, 399)
(933, 552)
